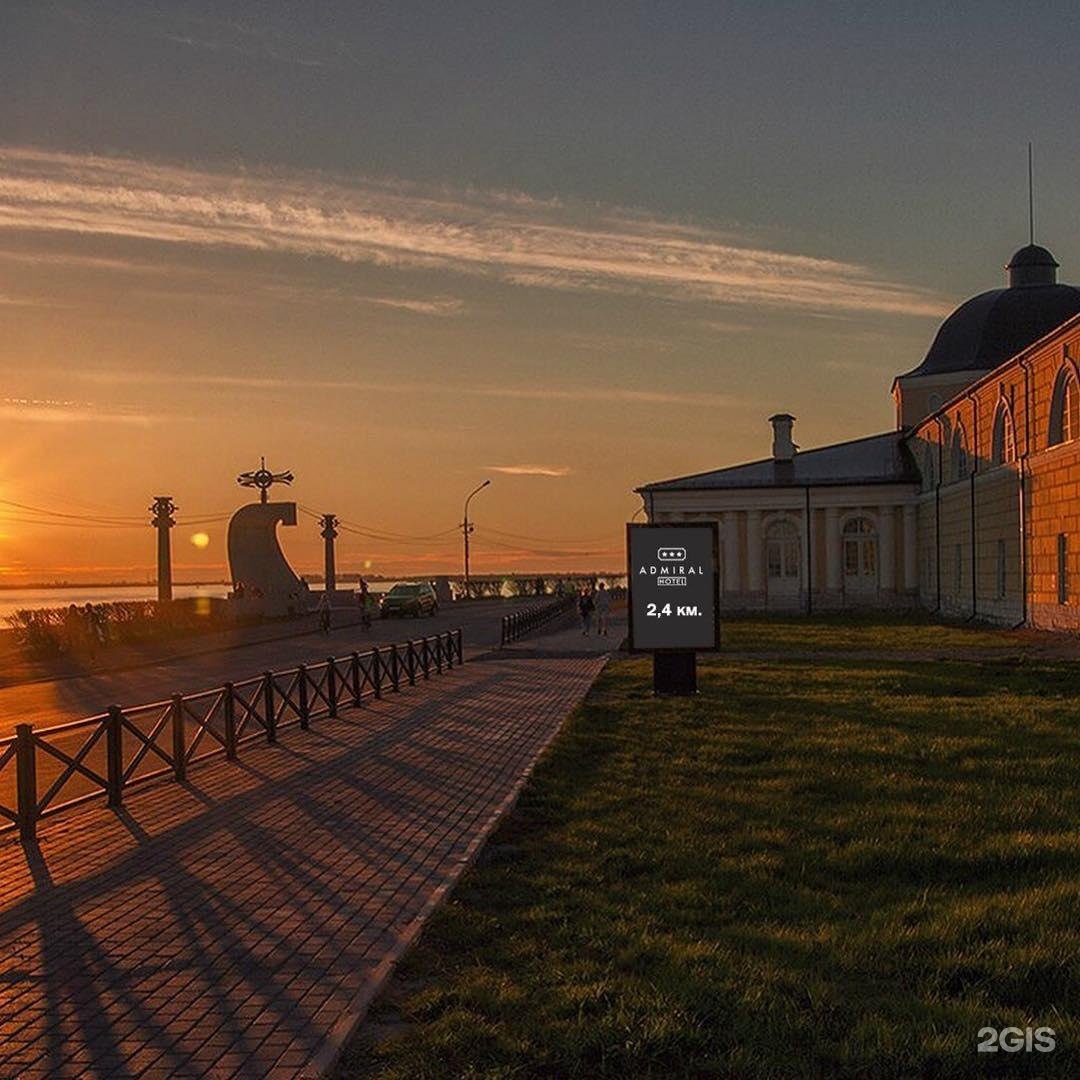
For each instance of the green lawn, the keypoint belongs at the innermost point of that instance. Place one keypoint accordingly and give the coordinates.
(872, 632)
(835, 869)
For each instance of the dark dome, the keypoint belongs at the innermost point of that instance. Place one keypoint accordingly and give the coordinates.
(993, 326)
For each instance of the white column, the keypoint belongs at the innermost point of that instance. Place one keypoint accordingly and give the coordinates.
(887, 547)
(754, 581)
(731, 551)
(806, 540)
(833, 565)
(911, 549)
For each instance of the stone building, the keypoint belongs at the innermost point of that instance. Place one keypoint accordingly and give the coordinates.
(969, 508)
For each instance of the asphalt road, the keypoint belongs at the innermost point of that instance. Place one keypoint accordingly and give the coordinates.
(47, 703)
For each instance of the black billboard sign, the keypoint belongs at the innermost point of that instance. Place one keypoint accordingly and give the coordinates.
(672, 577)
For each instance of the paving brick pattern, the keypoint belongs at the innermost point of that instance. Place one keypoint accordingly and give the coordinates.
(236, 925)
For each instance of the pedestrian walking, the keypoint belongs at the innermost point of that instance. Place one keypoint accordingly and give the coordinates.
(323, 609)
(603, 607)
(585, 610)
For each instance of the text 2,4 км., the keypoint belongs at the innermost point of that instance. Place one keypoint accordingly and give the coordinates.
(682, 609)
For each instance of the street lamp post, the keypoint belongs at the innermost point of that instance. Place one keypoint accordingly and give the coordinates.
(467, 528)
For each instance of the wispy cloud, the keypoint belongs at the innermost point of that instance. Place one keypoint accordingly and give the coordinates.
(612, 394)
(6, 300)
(531, 470)
(508, 238)
(47, 411)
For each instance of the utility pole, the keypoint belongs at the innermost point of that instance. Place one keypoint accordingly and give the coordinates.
(329, 525)
(467, 527)
(163, 510)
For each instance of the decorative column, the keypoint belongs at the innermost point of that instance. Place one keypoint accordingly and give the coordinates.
(163, 510)
(805, 543)
(911, 548)
(887, 547)
(731, 551)
(329, 525)
(833, 550)
(754, 580)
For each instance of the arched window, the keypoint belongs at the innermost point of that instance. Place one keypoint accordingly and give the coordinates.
(1064, 408)
(1004, 449)
(860, 552)
(959, 452)
(782, 553)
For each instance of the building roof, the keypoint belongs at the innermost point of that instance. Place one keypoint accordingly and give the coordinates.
(988, 329)
(875, 459)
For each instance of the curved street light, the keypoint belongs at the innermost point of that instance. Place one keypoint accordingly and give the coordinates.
(467, 528)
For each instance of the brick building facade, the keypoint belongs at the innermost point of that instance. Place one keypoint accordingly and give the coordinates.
(999, 496)
(970, 508)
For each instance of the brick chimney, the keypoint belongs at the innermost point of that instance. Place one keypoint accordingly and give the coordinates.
(783, 449)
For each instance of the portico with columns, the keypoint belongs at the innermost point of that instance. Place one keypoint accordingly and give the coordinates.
(825, 530)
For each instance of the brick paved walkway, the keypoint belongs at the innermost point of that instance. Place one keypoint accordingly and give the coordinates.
(236, 925)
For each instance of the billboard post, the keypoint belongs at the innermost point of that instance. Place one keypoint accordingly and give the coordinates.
(672, 575)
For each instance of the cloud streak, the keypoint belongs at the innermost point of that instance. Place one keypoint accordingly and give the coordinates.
(47, 411)
(531, 470)
(599, 394)
(507, 238)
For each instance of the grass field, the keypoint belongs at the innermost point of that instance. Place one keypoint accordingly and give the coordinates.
(837, 869)
(850, 632)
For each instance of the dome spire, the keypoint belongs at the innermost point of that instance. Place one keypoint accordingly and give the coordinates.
(1031, 200)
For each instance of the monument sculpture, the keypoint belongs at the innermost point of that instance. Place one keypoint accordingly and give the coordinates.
(263, 581)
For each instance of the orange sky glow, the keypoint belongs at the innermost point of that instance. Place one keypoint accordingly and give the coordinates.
(393, 345)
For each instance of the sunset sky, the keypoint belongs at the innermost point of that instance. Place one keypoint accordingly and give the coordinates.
(400, 248)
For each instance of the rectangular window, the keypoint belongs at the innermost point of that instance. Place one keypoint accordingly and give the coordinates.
(958, 568)
(791, 559)
(1002, 580)
(1063, 568)
(851, 558)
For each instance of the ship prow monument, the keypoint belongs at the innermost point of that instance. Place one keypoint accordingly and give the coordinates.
(263, 581)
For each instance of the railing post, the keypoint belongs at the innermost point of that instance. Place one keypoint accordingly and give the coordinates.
(230, 721)
(448, 648)
(331, 685)
(26, 781)
(114, 754)
(460, 650)
(425, 658)
(411, 664)
(438, 654)
(302, 690)
(395, 667)
(354, 675)
(268, 704)
(179, 750)
(376, 672)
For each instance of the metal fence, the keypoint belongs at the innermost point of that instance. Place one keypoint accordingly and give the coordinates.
(63, 766)
(519, 623)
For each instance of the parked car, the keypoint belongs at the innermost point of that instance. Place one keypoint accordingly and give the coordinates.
(414, 600)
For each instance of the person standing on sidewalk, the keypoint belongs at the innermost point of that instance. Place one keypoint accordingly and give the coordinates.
(324, 612)
(603, 607)
(585, 610)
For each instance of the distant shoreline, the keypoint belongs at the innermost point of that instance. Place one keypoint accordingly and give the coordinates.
(315, 579)
(7, 587)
